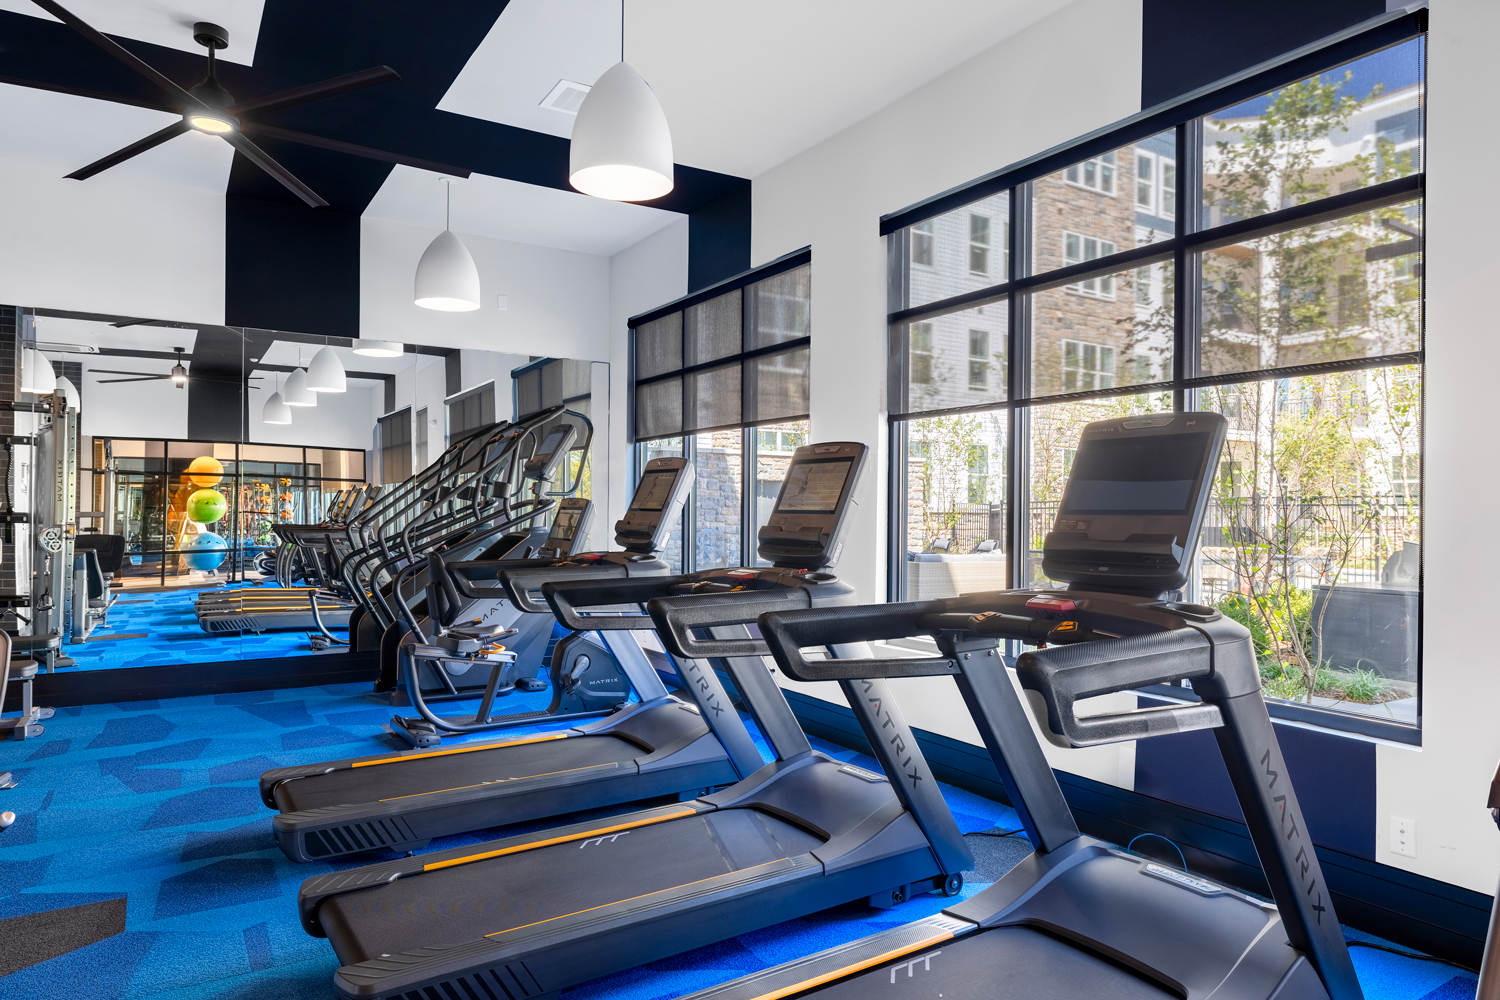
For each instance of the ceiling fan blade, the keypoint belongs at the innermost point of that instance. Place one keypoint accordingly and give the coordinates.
(172, 131)
(262, 159)
(291, 135)
(315, 91)
(115, 371)
(130, 322)
(149, 378)
(119, 52)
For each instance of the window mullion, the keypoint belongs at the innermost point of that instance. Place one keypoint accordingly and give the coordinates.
(1018, 349)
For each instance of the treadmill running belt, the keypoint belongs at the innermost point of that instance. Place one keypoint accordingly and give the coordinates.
(1008, 963)
(452, 905)
(457, 770)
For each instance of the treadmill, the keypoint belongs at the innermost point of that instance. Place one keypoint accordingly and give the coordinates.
(1080, 918)
(529, 916)
(660, 745)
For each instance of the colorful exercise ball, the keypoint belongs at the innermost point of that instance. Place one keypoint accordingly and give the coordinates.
(206, 551)
(205, 471)
(206, 506)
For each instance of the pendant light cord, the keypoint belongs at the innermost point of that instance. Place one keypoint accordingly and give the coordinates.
(622, 30)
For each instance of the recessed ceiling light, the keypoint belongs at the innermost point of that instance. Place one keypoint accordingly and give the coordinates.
(566, 97)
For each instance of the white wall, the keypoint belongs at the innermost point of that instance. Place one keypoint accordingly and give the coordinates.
(642, 277)
(558, 300)
(133, 409)
(999, 107)
(117, 243)
(1443, 785)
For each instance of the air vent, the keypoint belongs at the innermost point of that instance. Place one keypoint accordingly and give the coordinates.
(52, 347)
(566, 97)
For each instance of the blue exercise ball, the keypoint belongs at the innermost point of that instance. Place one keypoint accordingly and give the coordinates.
(205, 552)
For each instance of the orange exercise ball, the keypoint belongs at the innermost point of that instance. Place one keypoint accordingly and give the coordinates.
(205, 471)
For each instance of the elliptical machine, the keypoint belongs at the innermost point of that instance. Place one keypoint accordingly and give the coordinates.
(587, 676)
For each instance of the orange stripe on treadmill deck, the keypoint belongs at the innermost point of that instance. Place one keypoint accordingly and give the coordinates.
(849, 970)
(585, 835)
(468, 749)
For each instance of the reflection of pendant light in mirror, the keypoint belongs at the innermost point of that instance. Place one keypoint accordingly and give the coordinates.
(37, 375)
(447, 279)
(326, 373)
(179, 373)
(622, 146)
(276, 411)
(69, 393)
(296, 392)
(378, 348)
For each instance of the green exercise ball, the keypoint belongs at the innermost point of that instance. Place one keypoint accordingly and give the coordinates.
(206, 506)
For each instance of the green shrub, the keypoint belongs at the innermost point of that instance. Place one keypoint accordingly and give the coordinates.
(1364, 685)
(1288, 687)
(1239, 608)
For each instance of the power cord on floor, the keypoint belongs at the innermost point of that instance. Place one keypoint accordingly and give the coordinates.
(1129, 847)
(1409, 954)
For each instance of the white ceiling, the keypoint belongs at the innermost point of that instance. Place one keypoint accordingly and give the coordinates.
(72, 132)
(744, 87)
(168, 23)
(521, 213)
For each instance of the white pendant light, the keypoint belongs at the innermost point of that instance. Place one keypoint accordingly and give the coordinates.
(276, 411)
(37, 375)
(296, 392)
(447, 279)
(378, 348)
(326, 373)
(622, 146)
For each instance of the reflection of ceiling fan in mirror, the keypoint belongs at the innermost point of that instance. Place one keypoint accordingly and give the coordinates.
(208, 107)
(178, 374)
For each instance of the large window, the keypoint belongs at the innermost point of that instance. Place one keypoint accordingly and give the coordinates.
(395, 446)
(720, 378)
(1255, 252)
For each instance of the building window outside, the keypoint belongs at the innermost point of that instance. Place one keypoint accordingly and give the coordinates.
(1097, 174)
(1307, 338)
(921, 243)
(979, 244)
(1087, 366)
(921, 353)
(979, 359)
(1078, 249)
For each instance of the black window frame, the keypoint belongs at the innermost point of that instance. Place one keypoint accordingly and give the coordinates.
(1182, 115)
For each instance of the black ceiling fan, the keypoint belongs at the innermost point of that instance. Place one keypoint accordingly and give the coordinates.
(208, 107)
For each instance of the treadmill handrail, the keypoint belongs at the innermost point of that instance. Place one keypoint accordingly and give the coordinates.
(677, 617)
(1065, 675)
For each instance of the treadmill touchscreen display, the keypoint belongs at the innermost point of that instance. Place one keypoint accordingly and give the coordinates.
(813, 487)
(550, 444)
(566, 525)
(1136, 475)
(655, 490)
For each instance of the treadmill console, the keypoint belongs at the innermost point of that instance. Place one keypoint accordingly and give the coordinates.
(1134, 503)
(542, 465)
(570, 529)
(656, 506)
(810, 508)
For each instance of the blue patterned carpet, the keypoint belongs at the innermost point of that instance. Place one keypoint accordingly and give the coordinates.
(156, 803)
(171, 635)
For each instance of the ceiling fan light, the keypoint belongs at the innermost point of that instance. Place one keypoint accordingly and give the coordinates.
(447, 279)
(215, 124)
(621, 147)
(296, 392)
(179, 375)
(37, 375)
(276, 411)
(378, 348)
(326, 373)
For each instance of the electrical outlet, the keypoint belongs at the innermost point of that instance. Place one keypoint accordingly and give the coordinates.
(1404, 836)
(503, 301)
